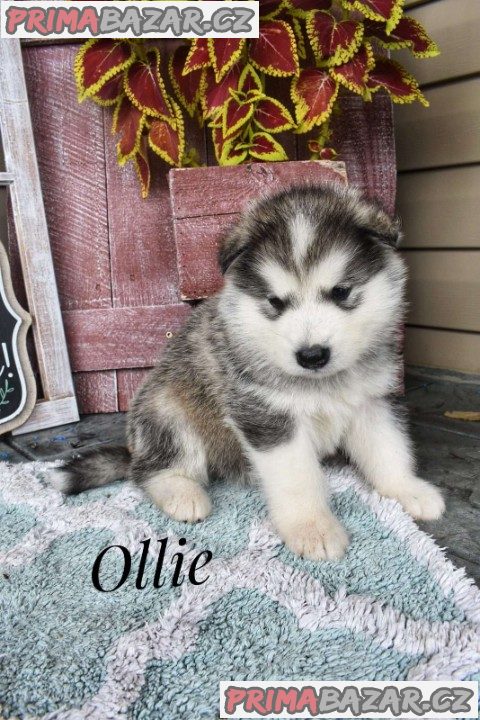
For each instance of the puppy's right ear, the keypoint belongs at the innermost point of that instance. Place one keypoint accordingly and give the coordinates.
(378, 224)
(232, 246)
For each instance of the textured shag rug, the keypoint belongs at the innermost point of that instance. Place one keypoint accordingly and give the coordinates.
(394, 609)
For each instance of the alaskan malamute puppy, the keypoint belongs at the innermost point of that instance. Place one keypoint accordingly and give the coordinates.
(294, 358)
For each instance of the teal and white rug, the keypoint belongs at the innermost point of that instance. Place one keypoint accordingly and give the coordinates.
(394, 609)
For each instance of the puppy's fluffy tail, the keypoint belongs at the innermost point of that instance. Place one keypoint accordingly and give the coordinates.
(96, 467)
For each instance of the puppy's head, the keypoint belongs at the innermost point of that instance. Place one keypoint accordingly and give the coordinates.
(312, 280)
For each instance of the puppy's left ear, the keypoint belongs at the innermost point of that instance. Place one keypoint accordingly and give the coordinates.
(233, 245)
(381, 227)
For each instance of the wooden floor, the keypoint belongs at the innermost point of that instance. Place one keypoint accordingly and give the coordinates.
(448, 453)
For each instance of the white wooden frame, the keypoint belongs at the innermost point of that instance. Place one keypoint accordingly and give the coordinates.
(59, 405)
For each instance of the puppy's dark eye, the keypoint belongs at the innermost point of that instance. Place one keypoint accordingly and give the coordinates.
(277, 303)
(340, 293)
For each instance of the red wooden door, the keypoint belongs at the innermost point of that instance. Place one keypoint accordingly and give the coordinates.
(114, 253)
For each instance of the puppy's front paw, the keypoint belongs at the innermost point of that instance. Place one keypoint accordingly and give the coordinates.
(420, 499)
(320, 538)
(181, 498)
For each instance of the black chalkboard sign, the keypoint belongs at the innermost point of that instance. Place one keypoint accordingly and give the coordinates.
(17, 384)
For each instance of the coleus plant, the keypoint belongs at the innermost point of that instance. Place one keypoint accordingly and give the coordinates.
(318, 48)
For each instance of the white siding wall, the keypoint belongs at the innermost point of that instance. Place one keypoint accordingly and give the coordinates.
(438, 153)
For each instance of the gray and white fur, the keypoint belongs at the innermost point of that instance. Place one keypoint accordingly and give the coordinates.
(294, 358)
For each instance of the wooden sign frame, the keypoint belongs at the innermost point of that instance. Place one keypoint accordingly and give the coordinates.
(58, 404)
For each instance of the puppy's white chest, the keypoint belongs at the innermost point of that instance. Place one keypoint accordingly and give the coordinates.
(328, 416)
(329, 426)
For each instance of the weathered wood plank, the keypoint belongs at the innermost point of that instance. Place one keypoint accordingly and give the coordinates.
(443, 349)
(128, 384)
(197, 248)
(32, 235)
(444, 288)
(50, 413)
(453, 24)
(72, 439)
(120, 337)
(440, 208)
(196, 192)
(364, 138)
(144, 265)
(142, 248)
(448, 133)
(73, 179)
(70, 150)
(96, 391)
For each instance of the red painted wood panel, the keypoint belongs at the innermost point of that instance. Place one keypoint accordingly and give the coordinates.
(197, 245)
(129, 382)
(363, 135)
(70, 151)
(142, 247)
(144, 267)
(197, 192)
(205, 201)
(128, 337)
(111, 249)
(71, 156)
(96, 391)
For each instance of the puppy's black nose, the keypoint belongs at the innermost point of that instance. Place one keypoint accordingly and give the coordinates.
(314, 357)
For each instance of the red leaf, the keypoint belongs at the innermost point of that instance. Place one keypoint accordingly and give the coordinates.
(110, 92)
(218, 141)
(233, 155)
(354, 74)
(272, 116)
(198, 56)
(142, 166)
(275, 51)
(217, 94)
(235, 116)
(264, 147)
(225, 150)
(249, 80)
(320, 151)
(402, 87)
(98, 61)
(187, 87)
(224, 52)
(166, 141)
(327, 153)
(231, 151)
(314, 93)
(407, 34)
(144, 86)
(389, 11)
(333, 41)
(128, 121)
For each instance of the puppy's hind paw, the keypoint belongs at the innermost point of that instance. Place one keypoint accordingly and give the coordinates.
(320, 538)
(420, 499)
